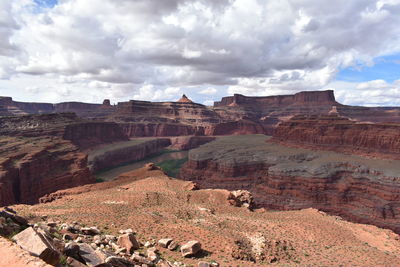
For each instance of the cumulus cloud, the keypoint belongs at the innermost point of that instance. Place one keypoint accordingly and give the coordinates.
(371, 93)
(208, 91)
(144, 48)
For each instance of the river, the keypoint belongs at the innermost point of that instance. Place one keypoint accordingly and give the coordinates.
(166, 155)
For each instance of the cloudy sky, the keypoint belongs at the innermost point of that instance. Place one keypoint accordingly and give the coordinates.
(88, 50)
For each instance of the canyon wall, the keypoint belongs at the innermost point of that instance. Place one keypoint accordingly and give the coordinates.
(68, 126)
(114, 155)
(31, 167)
(356, 188)
(235, 128)
(159, 129)
(40, 154)
(189, 142)
(340, 134)
(89, 134)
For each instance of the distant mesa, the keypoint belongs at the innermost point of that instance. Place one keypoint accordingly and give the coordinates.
(184, 99)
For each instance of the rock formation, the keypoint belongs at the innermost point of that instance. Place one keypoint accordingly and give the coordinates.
(110, 156)
(300, 99)
(31, 167)
(341, 134)
(41, 154)
(189, 142)
(359, 189)
(184, 99)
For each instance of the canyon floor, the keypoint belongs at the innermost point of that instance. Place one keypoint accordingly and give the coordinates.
(157, 206)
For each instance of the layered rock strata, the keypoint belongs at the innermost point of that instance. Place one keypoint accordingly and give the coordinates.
(10, 107)
(31, 167)
(299, 99)
(340, 134)
(110, 156)
(356, 188)
(40, 154)
(67, 126)
(189, 142)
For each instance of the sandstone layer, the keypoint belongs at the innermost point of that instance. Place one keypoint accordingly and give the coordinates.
(340, 134)
(31, 167)
(189, 142)
(184, 117)
(40, 154)
(68, 126)
(359, 189)
(10, 107)
(109, 156)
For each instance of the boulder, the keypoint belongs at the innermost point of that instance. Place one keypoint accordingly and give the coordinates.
(13, 216)
(141, 260)
(207, 264)
(128, 241)
(38, 245)
(173, 245)
(90, 230)
(72, 250)
(89, 255)
(152, 254)
(165, 264)
(119, 261)
(191, 248)
(164, 242)
(74, 263)
(241, 198)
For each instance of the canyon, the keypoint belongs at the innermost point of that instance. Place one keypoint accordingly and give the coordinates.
(236, 114)
(357, 188)
(40, 154)
(319, 155)
(113, 155)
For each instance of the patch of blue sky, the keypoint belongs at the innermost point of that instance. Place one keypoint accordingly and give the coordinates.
(385, 68)
(46, 3)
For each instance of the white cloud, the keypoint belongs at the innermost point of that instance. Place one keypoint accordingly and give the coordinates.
(208, 91)
(144, 48)
(371, 93)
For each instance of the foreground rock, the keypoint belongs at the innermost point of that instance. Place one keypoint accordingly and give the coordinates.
(38, 244)
(129, 242)
(191, 248)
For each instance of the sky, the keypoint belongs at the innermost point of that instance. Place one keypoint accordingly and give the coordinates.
(89, 50)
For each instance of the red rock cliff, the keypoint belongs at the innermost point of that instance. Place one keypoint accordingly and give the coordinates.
(32, 167)
(110, 156)
(340, 134)
(302, 98)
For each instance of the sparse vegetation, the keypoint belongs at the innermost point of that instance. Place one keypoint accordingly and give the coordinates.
(172, 167)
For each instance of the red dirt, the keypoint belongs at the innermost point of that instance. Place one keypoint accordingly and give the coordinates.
(156, 207)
